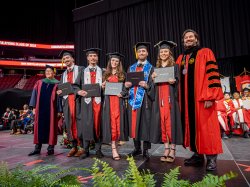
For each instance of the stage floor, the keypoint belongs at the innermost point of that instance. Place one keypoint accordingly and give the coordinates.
(236, 157)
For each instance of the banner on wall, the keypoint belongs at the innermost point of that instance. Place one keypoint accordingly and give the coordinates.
(34, 45)
(225, 84)
(29, 64)
(242, 82)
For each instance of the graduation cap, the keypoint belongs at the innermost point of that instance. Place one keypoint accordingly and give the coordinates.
(141, 45)
(115, 55)
(92, 51)
(65, 53)
(164, 44)
(50, 67)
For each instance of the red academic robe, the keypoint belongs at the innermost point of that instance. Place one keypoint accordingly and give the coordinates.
(225, 109)
(206, 88)
(165, 114)
(72, 108)
(96, 109)
(36, 98)
(115, 114)
(134, 112)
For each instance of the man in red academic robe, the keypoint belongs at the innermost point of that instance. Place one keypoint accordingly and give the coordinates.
(200, 87)
(46, 106)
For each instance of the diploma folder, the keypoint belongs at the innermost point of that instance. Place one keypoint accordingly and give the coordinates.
(93, 90)
(66, 88)
(135, 77)
(113, 88)
(164, 74)
(246, 104)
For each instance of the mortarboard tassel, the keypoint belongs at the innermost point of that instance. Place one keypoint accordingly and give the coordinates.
(136, 56)
(62, 64)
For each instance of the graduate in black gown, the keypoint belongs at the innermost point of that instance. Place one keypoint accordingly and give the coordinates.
(114, 123)
(71, 75)
(166, 117)
(140, 102)
(46, 107)
(89, 113)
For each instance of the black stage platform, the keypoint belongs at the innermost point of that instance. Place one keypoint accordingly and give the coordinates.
(236, 157)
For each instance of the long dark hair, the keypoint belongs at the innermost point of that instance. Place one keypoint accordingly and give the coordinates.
(170, 61)
(119, 71)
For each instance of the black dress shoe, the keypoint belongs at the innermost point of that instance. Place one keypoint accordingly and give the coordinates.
(135, 152)
(99, 154)
(50, 152)
(35, 152)
(195, 160)
(145, 154)
(211, 164)
(84, 155)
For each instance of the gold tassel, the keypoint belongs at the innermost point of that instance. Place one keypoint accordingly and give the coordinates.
(136, 56)
(62, 64)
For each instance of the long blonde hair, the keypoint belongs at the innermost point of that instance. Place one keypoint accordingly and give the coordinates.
(170, 60)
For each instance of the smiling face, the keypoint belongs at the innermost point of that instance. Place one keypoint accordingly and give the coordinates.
(68, 60)
(49, 73)
(236, 95)
(189, 40)
(164, 54)
(142, 54)
(92, 59)
(114, 63)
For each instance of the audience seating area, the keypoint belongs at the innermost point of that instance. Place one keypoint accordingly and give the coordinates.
(31, 82)
(9, 81)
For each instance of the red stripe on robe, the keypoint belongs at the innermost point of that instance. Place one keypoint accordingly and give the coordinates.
(96, 109)
(53, 117)
(114, 112)
(208, 139)
(134, 112)
(72, 108)
(165, 114)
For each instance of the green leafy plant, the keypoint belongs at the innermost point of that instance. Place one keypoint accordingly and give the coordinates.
(103, 176)
(211, 180)
(40, 176)
(171, 179)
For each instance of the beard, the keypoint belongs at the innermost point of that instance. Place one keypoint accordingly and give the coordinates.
(194, 43)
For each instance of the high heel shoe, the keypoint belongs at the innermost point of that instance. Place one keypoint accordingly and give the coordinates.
(164, 157)
(172, 157)
(116, 158)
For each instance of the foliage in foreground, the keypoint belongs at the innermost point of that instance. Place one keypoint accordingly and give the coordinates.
(103, 176)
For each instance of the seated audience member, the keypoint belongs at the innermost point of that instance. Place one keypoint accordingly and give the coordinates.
(6, 118)
(240, 116)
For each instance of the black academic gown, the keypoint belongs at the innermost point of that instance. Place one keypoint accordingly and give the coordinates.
(84, 114)
(65, 105)
(143, 119)
(106, 127)
(176, 125)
